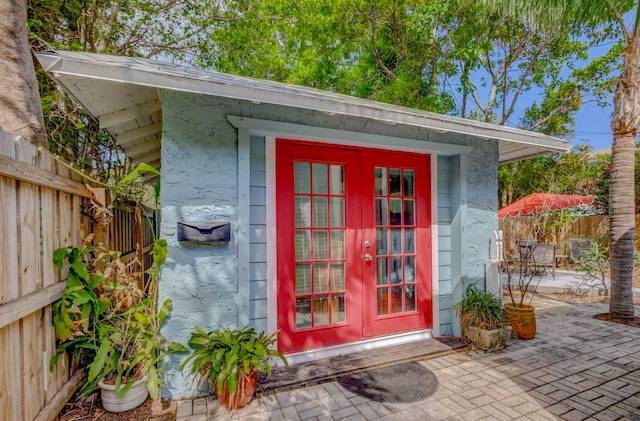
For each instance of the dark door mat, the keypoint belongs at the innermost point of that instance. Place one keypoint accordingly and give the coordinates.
(329, 369)
(399, 383)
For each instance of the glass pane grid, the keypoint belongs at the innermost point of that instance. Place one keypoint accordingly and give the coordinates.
(319, 208)
(395, 220)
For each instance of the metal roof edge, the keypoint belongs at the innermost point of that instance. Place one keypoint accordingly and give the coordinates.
(155, 74)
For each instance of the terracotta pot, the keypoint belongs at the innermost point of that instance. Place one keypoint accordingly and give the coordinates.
(246, 387)
(522, 320)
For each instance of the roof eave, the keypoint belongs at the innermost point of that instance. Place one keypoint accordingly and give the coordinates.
(128, 71)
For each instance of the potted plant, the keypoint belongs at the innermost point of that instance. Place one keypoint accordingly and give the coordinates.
(230, 361)
(521, 279)
(482, 319)
(111, 325)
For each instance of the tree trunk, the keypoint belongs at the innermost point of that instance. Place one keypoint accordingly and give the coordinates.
(20, 108)
(624, 124)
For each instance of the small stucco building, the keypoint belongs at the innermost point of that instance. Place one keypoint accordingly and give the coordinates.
(347, 224)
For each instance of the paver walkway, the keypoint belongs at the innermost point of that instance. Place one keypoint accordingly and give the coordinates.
(577, 368)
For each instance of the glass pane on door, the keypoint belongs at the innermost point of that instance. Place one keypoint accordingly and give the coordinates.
(395, 240)
(319, 232)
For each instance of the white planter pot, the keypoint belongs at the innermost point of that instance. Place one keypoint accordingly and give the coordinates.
(112, 402)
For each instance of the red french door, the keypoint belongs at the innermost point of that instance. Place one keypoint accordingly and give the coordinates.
(396, 229)
(354, 245)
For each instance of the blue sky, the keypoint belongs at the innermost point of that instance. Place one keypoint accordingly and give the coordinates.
(593, 126)
(593, 122)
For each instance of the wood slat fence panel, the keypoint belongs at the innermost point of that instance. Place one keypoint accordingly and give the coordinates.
(523, 227)
(41, 210)
(30, 228)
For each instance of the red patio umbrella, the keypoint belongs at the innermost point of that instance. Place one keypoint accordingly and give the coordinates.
(539, 202)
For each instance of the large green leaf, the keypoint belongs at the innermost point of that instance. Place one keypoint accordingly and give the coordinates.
(82, 296)
(59, 256)
(135, 173)
(165, 310)
(98, 363)
(176, 347)
(63, 332)
(160, 251)
(153, 382)
(81, 269)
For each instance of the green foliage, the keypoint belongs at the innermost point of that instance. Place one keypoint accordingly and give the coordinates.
(129, 187)
(225, 355)
(109, 325)
(444, 56)
(80, 303)
(596, 264)
(425, 55)
(481, 309)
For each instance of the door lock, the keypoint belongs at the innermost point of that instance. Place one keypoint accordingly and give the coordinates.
(368, 257)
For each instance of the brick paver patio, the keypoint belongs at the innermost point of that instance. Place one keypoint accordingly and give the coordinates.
(577, 368)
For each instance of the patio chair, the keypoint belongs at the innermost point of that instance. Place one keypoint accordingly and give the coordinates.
(525, 247)
(577, 246)
(544, 257)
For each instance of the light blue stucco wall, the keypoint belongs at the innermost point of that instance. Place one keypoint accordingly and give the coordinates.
(467, 191)
(200, 183)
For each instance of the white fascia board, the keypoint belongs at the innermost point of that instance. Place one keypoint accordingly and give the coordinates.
(269, 128)
(145, 73)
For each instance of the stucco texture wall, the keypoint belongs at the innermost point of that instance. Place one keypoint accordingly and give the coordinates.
(199, 183)
(482, 205)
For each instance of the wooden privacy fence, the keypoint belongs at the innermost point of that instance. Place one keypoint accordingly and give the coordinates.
(524, 227)
(40, 210)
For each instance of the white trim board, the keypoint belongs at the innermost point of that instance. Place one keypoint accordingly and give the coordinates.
(269, 128)
(243, 238)
(272, 237)
(435, 271)
(366, 345)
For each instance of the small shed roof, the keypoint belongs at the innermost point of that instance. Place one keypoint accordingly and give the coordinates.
(122, 93)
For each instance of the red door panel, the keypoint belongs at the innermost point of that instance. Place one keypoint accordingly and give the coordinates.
(354, 244)
(397, 225)
(319, 268)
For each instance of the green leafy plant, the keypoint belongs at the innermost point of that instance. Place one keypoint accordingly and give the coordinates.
(226, 355)
(108, 322)
(481, 309)
(483, 320)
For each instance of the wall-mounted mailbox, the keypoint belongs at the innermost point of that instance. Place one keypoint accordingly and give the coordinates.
(203, 232)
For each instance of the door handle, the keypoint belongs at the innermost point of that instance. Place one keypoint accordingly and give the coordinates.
(367, 257)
